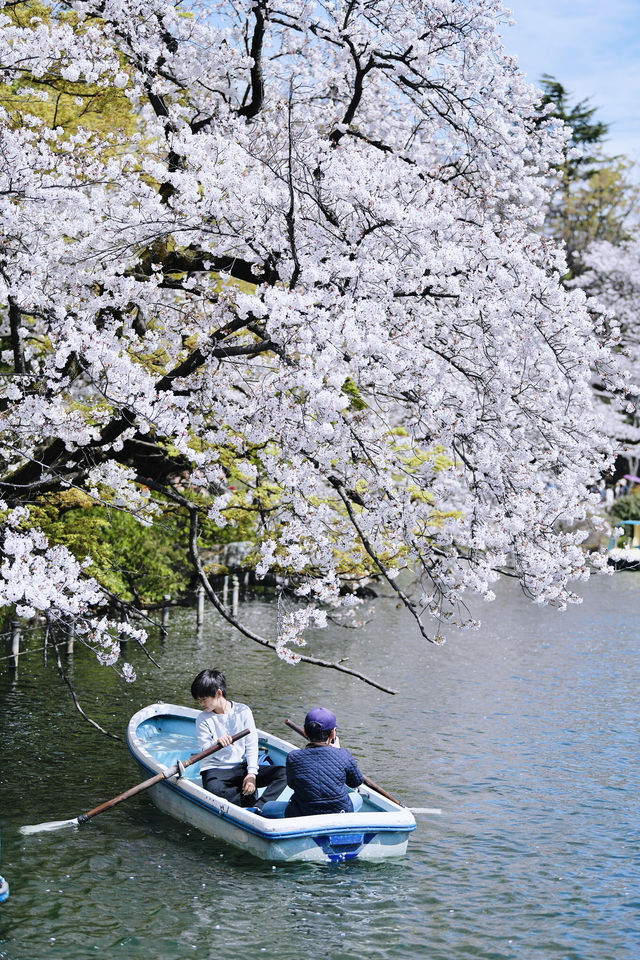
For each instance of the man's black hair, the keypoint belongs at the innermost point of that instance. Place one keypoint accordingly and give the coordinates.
(315, 732)
(207, 684)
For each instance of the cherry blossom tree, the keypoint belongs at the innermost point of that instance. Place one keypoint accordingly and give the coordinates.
(612, 278)
(592, 212)
(316, 262)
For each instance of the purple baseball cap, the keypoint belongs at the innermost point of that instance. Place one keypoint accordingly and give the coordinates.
(324, 718)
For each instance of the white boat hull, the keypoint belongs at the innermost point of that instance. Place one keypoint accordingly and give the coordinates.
(379, 831)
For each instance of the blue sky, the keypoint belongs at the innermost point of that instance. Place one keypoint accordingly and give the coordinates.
(593, 48)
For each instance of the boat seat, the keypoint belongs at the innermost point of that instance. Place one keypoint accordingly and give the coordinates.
(274, 809)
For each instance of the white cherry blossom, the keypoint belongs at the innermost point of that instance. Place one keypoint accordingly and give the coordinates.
(319, 256)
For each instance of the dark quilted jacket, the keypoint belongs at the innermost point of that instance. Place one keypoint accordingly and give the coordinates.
(319, 776)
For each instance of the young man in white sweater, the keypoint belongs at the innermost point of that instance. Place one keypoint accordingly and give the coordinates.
(233, 772)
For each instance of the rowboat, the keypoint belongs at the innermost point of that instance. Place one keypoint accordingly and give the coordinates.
(162, 734)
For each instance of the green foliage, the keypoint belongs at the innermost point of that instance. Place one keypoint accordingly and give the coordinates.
(585, 131)
(102, 109)
(599, 208)
(356, 403)
(626, 508)
(131, 560)
(595, 194)
(127, 558)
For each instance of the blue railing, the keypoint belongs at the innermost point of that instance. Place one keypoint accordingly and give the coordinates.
(623, 523)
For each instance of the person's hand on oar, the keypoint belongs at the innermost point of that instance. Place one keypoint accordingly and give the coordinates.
(175, 771)
(366, 780)
(371, 783)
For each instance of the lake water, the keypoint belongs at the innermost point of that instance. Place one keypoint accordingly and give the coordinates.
(525, 733)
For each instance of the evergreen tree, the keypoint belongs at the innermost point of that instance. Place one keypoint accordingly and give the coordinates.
(595, 196)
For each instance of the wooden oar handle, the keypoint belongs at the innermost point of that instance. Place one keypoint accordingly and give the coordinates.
(196, 757)
(366, 780)
(84, 817)
(300, 730)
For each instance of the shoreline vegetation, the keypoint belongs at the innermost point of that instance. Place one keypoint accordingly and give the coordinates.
(231, 574)
(230, 567)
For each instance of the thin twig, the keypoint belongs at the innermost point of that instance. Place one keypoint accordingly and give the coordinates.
(195, 558)
(408, 603)
(64, 677)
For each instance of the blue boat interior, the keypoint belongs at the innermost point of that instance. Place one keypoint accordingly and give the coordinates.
(170, 738)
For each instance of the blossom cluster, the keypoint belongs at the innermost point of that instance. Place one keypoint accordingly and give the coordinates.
(612, 279)
(36, 578)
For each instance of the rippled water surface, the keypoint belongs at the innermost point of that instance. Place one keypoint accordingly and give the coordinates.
(525, 733)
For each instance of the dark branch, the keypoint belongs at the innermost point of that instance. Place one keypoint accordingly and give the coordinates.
(257, 80)
(63, 676)
(190, 260)
(358, 88)
(15, 322)
(411, 607)
(222, 610)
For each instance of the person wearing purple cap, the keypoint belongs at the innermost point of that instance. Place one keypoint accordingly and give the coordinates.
(320, 773)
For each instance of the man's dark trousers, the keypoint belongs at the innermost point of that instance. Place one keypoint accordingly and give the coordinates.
(227, 782)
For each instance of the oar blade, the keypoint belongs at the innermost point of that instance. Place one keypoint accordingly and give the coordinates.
(435, 811)
(132, 792)
(51, 825)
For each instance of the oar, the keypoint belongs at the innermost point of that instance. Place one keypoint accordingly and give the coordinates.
(173, 772)
(371, 783)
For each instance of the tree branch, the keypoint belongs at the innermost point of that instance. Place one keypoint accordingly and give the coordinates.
(411, 607)
(204, 580)
(15, 322)
(358, 88)
(257, 80)
(63, 676)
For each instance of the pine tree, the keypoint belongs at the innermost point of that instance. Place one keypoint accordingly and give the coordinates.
(595, 195)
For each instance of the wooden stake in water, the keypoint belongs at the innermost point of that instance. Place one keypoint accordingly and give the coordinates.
(15, 645)
(235, 583)
(164, 617)
(200, 607)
